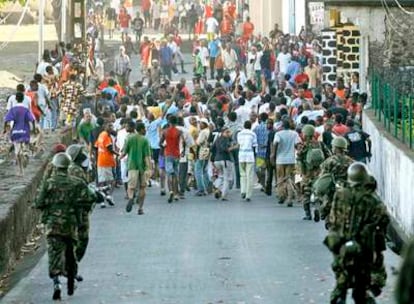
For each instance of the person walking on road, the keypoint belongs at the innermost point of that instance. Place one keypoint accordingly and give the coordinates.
(247, 142)
(203, 154)
(283, 152)
(106, 162)
(170, 140)
(223, 162)
(60, 198)
(21, 117)
(137, 148)
(122, 67)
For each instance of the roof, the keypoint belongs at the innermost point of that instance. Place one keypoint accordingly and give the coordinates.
(404, 3)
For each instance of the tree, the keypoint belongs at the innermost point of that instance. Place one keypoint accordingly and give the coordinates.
(2, 2)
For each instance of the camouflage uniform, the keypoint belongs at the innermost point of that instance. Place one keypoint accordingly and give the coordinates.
(308, 174)
(83, 216)
(336, 165)
(358, 220)
(60, 198)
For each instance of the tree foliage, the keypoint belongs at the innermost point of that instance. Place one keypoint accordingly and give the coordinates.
(3, 2)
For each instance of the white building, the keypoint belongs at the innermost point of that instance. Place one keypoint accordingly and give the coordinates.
(289, 14)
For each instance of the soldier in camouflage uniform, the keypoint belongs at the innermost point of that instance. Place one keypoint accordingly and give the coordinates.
(77, 168)
(404, 291)
(358, 221)
(311, 154)
(335, 169)
(61, 198)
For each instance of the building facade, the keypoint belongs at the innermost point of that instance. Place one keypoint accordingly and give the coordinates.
(290, 15)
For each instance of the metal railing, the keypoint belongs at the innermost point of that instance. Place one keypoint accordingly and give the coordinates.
(392, 93)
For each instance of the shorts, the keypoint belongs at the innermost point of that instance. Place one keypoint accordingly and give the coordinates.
(136, 178)
(105, 174)
(161, 162)
(155, 155)
(267, 74)
(171, 165)
(260, 162)
(124, 30)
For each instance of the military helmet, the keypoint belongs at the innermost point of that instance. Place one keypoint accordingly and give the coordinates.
(358, 174)
(73, 151)
(339, 142)
(61, 160)
(308, 130)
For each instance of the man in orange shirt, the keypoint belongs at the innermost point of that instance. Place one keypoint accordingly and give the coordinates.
(226, 26)
(248, 29)
(106, 160)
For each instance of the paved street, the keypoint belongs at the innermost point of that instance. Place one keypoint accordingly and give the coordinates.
(198, 250)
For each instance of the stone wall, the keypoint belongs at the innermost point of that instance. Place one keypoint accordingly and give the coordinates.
(17, 218)
(399, 37)
(392, 164)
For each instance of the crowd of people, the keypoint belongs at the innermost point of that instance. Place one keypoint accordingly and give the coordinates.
(255, 115)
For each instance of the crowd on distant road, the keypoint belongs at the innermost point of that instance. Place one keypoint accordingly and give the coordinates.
(256, 115)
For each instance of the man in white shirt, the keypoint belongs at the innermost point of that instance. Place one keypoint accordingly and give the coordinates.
(229, 59)
(212, 26)
(12, 102)
(253, 64)
(247, 141)
(121, 136)
(283, 60)
(253, 101)
(238, 75)
(243, 112)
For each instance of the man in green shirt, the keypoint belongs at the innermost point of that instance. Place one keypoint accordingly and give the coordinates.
(139, 164)
(85, 127)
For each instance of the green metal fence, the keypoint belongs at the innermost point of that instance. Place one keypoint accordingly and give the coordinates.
(392, 92)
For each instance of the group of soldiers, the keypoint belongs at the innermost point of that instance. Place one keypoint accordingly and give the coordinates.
(66, 201)
(343, 194)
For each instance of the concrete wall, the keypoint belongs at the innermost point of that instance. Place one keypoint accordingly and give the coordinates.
(370, 20)
(393, 166)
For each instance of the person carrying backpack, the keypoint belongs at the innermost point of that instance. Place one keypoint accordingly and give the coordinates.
(333, 172)
(310, 156)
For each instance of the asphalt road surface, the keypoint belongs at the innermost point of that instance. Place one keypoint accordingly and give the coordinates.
(198, 250)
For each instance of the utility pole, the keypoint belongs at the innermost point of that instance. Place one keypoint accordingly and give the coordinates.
(63, 35)
(41, 29)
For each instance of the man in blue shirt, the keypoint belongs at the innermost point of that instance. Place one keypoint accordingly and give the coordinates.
(166, 59)
(294, 68)
(262, 134)
(214, 48)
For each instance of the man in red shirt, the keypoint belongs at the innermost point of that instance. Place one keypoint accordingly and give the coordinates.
(339, 129)
(124, 18)
(170, 139)
(146, 7)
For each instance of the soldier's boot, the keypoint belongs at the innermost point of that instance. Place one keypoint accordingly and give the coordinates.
(71, 284)
(316, 211)
(79, 278)
(57, 289)
(308, 216)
